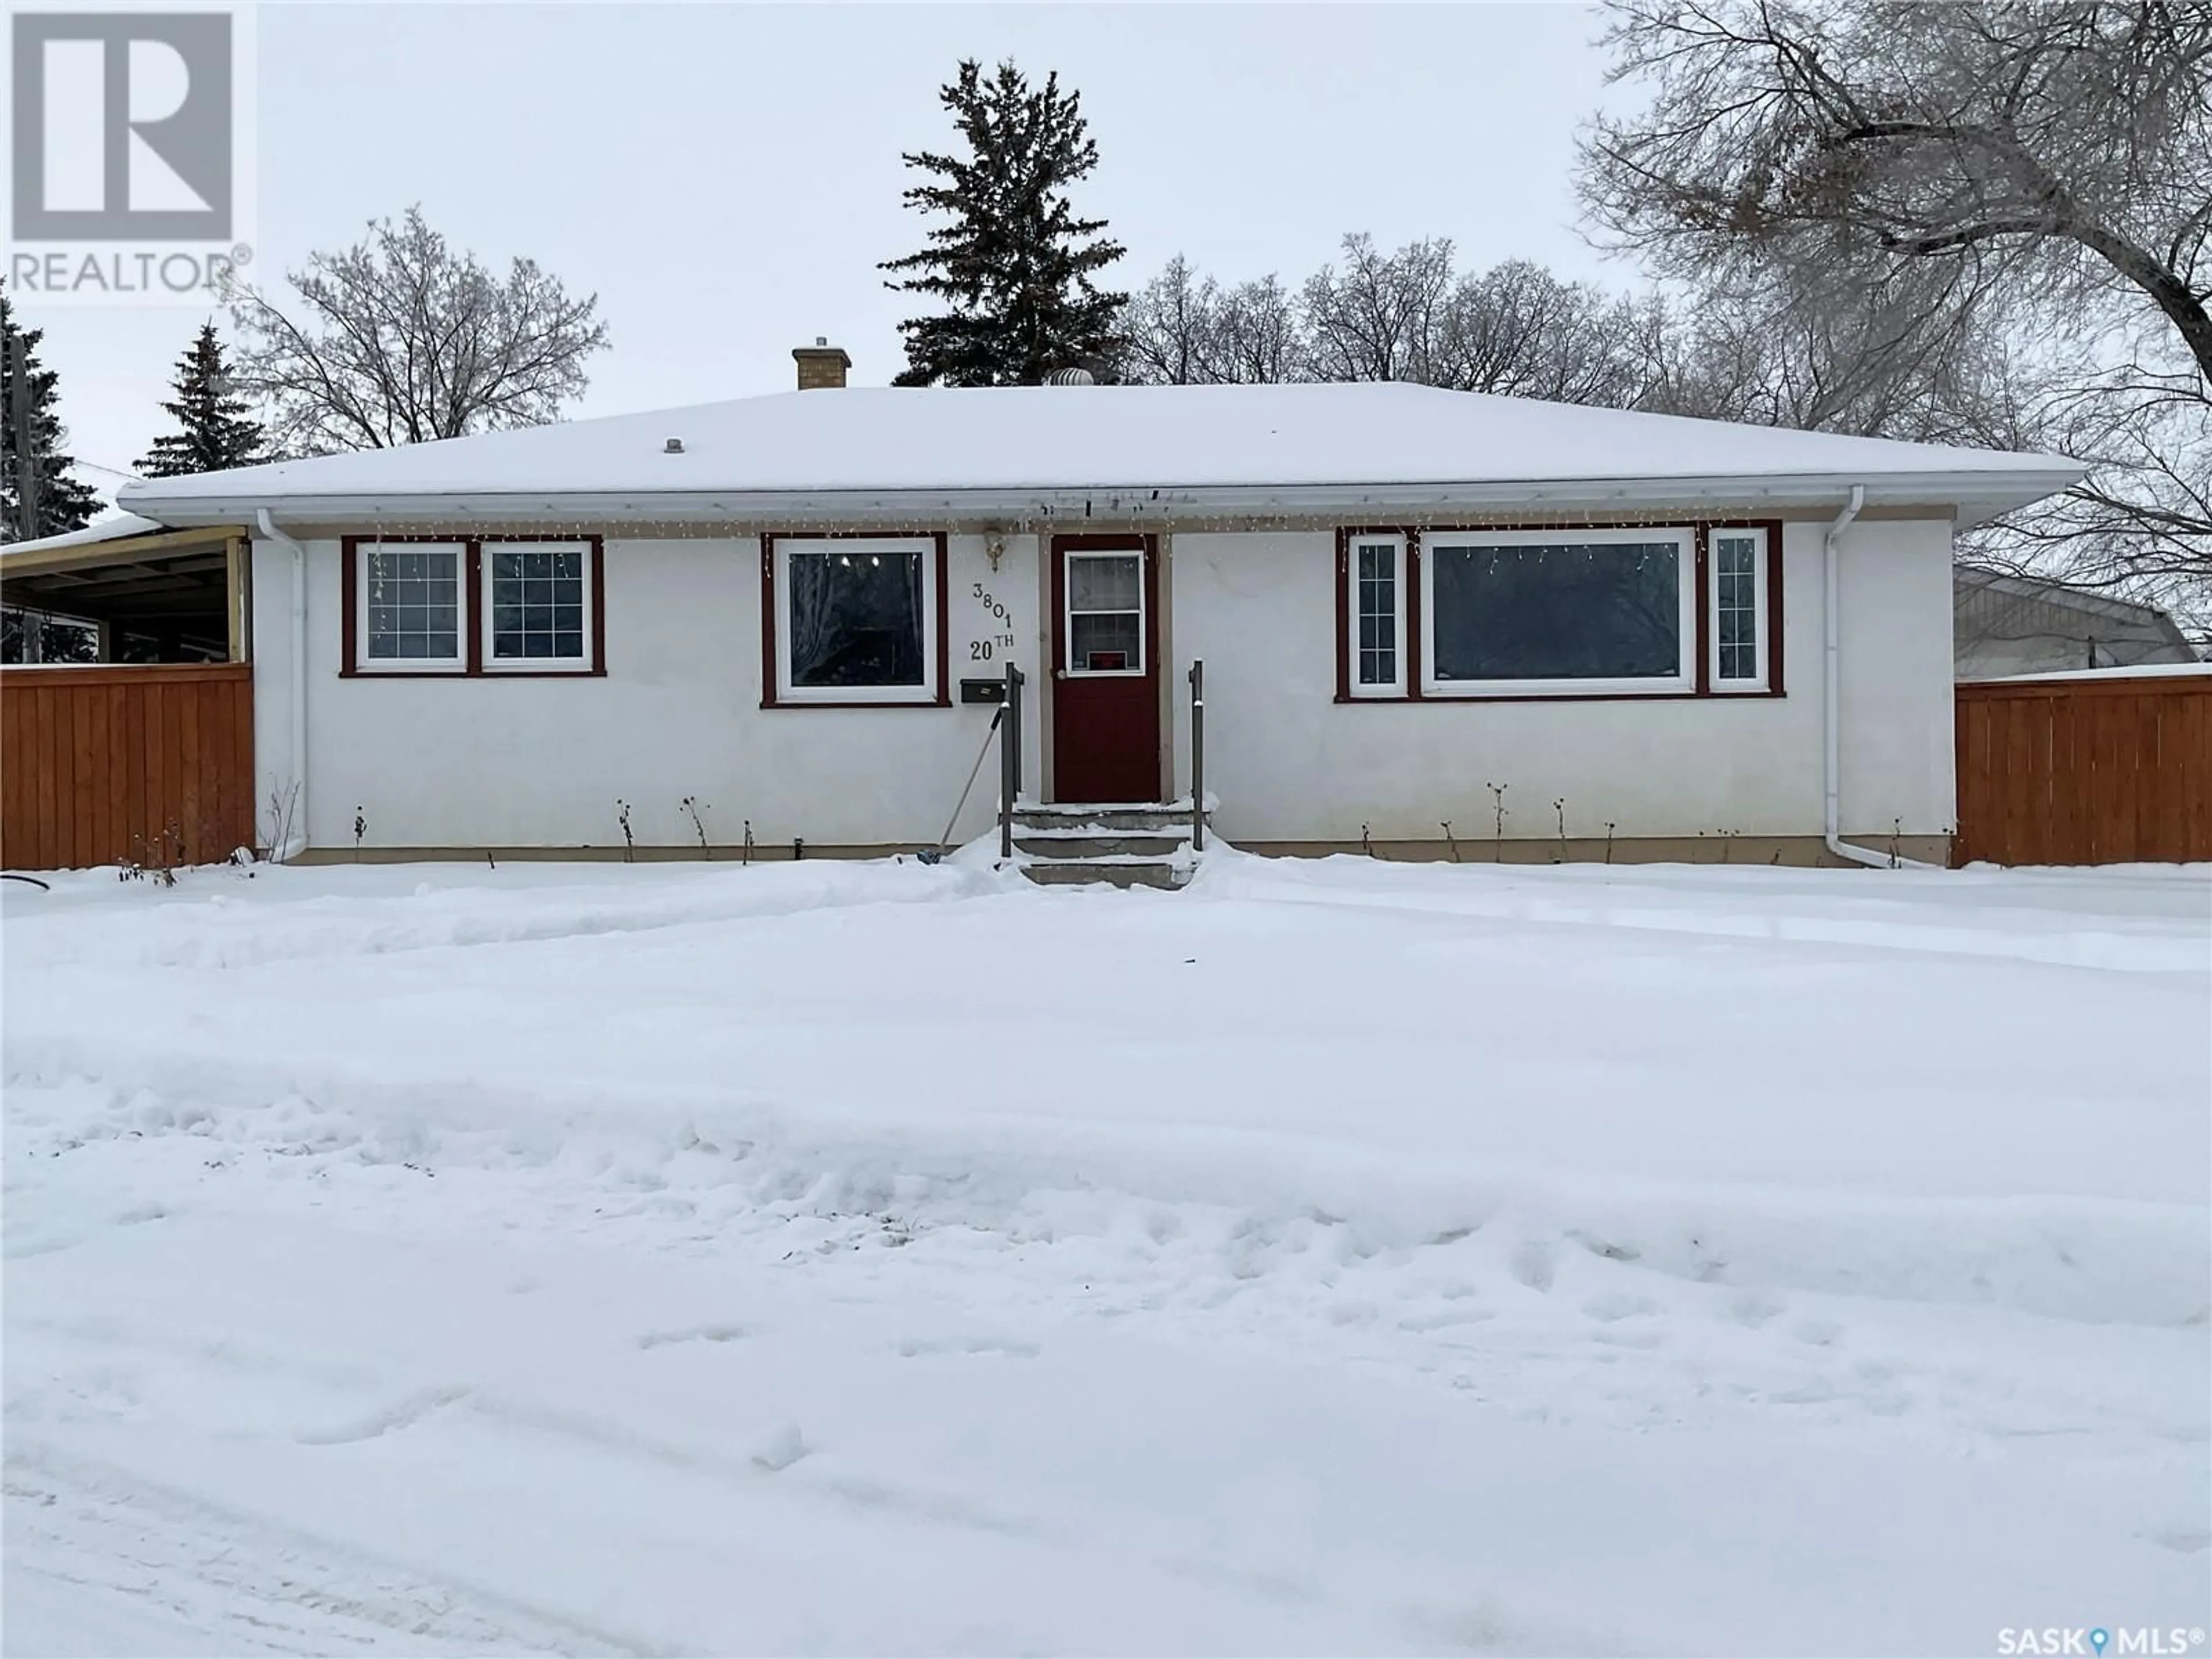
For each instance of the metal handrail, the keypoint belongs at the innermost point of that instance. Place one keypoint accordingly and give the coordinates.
(1009, 758)
(1197, 756)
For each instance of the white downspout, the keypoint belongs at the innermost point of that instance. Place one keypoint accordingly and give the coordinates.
(297, 843)
(1831, 705)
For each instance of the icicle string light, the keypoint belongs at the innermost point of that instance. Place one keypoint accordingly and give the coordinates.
(1353, 512)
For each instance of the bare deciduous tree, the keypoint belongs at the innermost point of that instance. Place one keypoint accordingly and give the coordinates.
(1809, 347)
(400, 339)
(1377, 318)
(1184, 329)
(1409, 315)
(2024, 188)
(1518, 331)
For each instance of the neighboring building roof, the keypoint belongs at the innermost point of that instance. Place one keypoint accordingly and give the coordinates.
(2005, 626)
(1160, 451)
(114, 528)
(2161, 670)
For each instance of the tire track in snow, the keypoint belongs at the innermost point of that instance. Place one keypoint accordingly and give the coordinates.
(267, 1585)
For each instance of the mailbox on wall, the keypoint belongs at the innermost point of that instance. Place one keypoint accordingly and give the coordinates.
(982, 690)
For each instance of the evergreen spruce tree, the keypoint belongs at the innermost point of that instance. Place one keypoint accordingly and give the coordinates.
(213, 431)
(1014, 265)
(64, 502)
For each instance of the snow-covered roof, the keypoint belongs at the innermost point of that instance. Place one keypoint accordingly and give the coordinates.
(115, 527)
(1153, 451)
(1969, 578)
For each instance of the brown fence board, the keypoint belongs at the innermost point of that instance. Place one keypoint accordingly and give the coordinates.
(48, 775)
(119, 764)
(189, 714)
(101, 765)
(12, 779)
(2112, 770)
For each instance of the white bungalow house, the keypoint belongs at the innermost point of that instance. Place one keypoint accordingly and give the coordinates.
(1432, 623)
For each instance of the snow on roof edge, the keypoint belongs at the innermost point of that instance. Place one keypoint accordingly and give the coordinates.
(1025, 439)
(2161, 670)
(117, 526)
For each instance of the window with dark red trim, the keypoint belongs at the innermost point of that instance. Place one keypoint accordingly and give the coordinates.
(447, 606)
(854, 620)
(1592, 611)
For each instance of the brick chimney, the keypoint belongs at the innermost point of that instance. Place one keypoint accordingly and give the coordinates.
(821, 365)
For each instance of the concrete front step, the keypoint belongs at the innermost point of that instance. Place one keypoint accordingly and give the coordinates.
(1157, 819)
(1133, 872)
(1092, 843)
(1146, 844)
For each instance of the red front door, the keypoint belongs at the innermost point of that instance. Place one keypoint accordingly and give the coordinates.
(1106, 685)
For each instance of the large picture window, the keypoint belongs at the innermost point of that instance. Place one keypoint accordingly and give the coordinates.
(855, 619)
(1559, 611)
(1617, 610)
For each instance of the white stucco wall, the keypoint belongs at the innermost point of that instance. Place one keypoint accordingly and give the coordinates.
(488, 762)
(1290, 764)
(1896, 668)
(514, 763)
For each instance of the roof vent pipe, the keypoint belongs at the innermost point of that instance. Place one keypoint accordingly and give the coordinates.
(1070, 377)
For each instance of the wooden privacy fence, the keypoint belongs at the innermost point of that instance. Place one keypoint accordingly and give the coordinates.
(112, 764)
(2113, 770)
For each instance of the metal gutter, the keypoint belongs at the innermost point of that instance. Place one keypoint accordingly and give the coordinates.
(1996, 493)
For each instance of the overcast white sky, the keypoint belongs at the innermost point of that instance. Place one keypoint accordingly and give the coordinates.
(725, 177)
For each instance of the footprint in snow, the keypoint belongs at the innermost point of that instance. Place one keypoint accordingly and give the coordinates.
(1619, 1304)
(913, 1346)
(692, 1333)
(1754, 1310)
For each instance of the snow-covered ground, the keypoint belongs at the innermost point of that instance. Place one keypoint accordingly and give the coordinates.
(1332, 1257)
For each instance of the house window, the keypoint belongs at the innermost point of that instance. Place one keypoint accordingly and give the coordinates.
(1375, 571)
(413, 607)
(1558, 612)
(1738, 577)
(856, 619)
(1105, 613)
(539, 606)
(474, 606)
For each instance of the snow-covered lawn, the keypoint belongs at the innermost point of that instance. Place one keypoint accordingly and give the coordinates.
(1333, 1257)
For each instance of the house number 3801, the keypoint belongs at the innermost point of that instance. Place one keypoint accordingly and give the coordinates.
(984, 649)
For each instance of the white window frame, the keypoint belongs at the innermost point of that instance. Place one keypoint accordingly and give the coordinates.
(1761, 645)
(1685, 563)
(1068, 613)
(1353, 543)
(493, 664)
(814, 546)
(464, 619)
